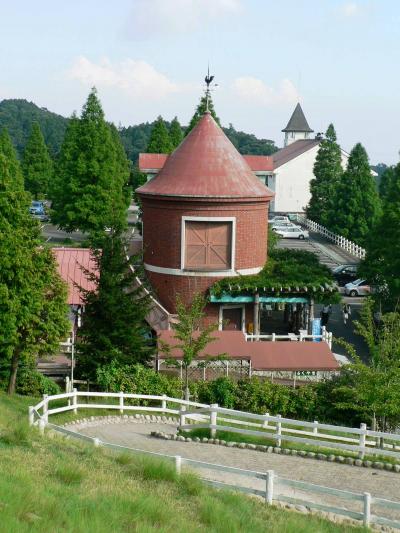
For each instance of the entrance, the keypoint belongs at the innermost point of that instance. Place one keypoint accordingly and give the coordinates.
(232, 318)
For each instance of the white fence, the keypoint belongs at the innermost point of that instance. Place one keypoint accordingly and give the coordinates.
(272, 488)
(350, 247)
(326, 336)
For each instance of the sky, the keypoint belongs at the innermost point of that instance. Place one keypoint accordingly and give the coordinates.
(339, 58)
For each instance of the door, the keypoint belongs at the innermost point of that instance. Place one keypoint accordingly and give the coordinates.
(232, 318)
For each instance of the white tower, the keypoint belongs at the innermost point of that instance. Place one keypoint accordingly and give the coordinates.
(297, 127)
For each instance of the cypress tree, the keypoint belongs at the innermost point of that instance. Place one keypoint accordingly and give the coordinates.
(33, 310)
(357, 200)
(114, 327)
(382, 263)
(92, 190)
(175, 133)
(9, 152)
(160, 141)
(327, 172)
(200, 110)
(37, 165)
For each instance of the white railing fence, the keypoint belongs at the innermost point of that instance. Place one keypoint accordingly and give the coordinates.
(359, 441)
(326, 336)
(350, 247)
(271, 487)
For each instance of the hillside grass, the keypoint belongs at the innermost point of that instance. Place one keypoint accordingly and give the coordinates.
(57, 484)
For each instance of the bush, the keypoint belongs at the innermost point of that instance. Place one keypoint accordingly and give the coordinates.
(137, 379)
(30, 382)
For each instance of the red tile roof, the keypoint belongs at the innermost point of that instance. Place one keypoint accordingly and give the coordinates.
(264, 355)
(71, 265)
(206, 164)
(149, 162)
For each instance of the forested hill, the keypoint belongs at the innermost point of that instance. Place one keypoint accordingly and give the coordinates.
(18, 115)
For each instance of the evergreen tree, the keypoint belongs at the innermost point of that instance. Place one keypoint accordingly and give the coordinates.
(327, 172)
(33, 310)
(8, 150)
(175, 133)
(386, 181)
(382, 263)
(160, 141)
(92, 190)
(37, 165)
(356, 198)
(200, 110)
(114, 328)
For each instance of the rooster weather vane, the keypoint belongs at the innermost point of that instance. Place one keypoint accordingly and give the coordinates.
(208, 79)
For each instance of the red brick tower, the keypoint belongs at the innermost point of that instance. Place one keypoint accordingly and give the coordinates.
(205, 216)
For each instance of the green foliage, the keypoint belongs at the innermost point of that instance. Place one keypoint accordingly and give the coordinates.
(33, 310)
(249, 144)
(160, 141)
(30, 382)
(175, 133)
(8, 150)
(194, 337)
(284, 271)
(356, 198)
(136, 379)
(37, 165)
(382, 263)
(91, 190)
(114, 327)
(327, 172)
(200, 110)
(18, 116)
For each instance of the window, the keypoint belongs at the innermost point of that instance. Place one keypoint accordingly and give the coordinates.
(208, 245)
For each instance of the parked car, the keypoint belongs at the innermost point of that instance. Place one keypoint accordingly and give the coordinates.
(278, 218)
(37, 207)
(42, 217)
(292, 233)
(359, 287)
(345, 274)
(277, 225)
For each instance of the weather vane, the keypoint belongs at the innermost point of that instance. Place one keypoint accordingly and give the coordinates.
(208, 79)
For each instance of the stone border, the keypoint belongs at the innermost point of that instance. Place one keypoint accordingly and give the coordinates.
(105, 420)
(351, 461)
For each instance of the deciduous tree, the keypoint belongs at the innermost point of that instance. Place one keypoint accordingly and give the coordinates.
(37, 165)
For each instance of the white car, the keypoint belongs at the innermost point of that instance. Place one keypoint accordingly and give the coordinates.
(282, 225)
(292, 233)
(359, 287)
(278, 219)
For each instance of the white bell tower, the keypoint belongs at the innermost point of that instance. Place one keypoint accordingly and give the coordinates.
(297, 127)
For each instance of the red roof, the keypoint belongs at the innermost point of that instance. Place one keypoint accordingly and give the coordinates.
(259, 163)
(72, 263)
(206, 164)
(264, 355)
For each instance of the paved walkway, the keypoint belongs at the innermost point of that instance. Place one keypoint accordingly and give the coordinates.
(379, 483)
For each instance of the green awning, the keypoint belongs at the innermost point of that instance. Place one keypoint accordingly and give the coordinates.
(229, 299)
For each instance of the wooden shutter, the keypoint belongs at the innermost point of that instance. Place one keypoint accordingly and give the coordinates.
(208, 245)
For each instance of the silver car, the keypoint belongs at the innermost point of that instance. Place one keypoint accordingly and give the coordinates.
(294, 232)
(359, 287)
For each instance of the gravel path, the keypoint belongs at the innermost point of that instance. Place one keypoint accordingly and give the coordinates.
(379, 483)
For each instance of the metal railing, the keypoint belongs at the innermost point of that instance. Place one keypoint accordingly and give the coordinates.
(326, 336)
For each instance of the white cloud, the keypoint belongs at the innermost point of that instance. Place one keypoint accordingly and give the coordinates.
(256, 91)
(135, 77)
(155, 17)
(350, 9)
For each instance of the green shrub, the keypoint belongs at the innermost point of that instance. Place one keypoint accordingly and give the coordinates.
(137, 379)
(30, 382)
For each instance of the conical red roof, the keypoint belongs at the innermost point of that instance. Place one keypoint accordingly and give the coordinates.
(206, 165)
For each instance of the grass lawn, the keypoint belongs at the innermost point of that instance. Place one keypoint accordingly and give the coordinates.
(58, 485)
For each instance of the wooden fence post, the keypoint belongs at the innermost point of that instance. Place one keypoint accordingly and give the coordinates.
(367, 509)
(67, 385)
(213, 419)
(278, 432)
(164, 402)
(178, 464)
(45, 408)
(31, 415)
(121, 402)
(182, 418)
(315, 427)
(42, 424)
(269, 487)
(363, 428)
(265, 423)
(75, 401)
